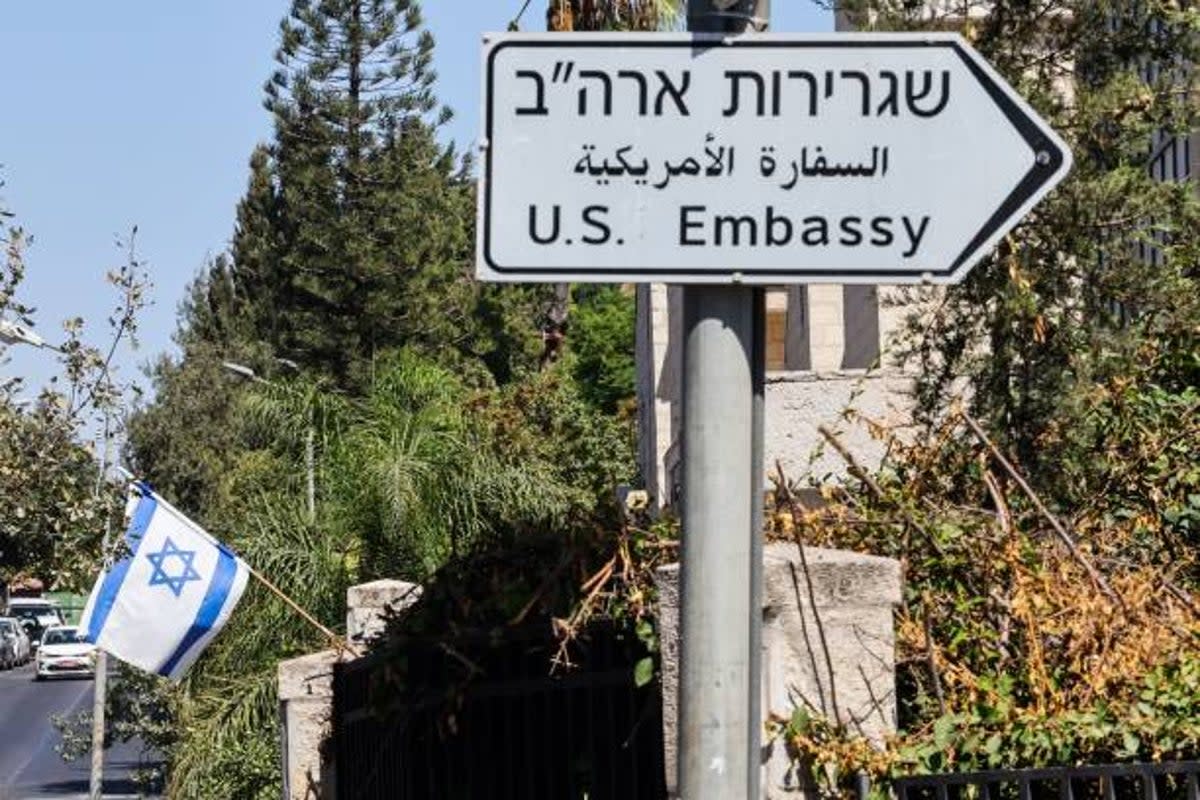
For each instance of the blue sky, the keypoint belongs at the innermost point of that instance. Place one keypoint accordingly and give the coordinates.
(144, 113)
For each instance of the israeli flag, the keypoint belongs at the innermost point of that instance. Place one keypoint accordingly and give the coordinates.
(160, 605)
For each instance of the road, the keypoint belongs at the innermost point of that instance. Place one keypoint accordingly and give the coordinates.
(29, 767)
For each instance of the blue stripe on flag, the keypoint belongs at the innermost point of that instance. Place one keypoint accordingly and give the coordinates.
(210, 608)
(116, 576)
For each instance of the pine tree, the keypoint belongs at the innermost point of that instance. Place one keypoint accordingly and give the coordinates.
(354, 234)
(255, 252)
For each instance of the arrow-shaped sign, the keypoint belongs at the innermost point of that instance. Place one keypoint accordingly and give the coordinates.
(846, 158)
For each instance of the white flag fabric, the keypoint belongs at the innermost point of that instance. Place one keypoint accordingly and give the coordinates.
(160, 605)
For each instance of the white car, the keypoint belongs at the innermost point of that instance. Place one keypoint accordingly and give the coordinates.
(65, 653)
(35, 614)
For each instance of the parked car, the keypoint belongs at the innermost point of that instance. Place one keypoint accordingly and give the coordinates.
(65, 653)
(35, 614)
(8, 653)
(11, 631)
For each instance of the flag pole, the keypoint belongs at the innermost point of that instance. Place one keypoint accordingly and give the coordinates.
(339, 642)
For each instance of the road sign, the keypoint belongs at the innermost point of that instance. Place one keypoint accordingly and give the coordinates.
(843, 158)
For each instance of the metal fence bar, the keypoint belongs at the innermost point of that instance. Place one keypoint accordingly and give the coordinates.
(1149, 787)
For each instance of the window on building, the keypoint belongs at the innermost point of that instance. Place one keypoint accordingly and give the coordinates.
(797, 350)
(860, 323)
(777, 324)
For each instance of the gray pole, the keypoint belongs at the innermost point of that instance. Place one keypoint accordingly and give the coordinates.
(100, 692)
(715, 609)
(720, 603)
(758, 368)
(100, 684)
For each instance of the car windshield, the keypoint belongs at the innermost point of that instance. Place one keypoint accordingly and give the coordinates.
(32, 612)
(63, 636)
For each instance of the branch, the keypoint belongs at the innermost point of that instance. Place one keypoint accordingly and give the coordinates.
(931, 655)
(1061, 531)
(123, 325)
(853, 467)
(812, 602)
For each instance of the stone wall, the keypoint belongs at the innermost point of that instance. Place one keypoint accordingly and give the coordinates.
(828, 643)
(832, 337)
(797, 402)
(659, 373)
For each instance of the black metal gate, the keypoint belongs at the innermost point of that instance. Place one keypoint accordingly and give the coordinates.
(482, 719)
(1178, 780)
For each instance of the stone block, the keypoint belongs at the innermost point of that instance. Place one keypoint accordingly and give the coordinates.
(305, 704)
(369, 604)
(828, 643)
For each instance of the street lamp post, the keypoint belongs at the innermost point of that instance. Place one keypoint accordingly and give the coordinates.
(310, 461)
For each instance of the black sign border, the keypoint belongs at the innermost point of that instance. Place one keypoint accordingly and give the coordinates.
(1049, 158)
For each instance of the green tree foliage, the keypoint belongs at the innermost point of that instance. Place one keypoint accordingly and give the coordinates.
(602, 345)
(419, 472)
(354, 237)
(52, 519)
(1097, 289)
(413, 478)
(349, 289)
(189, 462)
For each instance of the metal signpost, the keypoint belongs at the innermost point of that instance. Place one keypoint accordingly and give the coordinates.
(720, 162)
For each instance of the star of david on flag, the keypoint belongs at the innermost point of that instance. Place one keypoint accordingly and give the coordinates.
(176, 582)
(160, 605)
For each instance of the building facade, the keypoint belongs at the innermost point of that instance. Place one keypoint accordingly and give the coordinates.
(830, 362)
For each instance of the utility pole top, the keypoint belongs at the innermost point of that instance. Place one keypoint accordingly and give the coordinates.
(728, 16)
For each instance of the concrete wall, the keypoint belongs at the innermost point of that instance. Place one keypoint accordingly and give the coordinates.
(835, 655)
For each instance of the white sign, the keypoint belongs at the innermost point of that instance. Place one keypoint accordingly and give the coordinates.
(689, 158)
